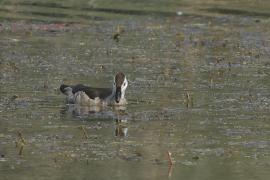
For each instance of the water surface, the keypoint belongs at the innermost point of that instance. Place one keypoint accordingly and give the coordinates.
(198, 88)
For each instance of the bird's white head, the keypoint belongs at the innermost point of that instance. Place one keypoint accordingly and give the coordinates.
(119, 86)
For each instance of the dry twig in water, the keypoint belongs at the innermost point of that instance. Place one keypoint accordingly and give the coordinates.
(21, 138)
(189, 100)
(84, 132)
(170, 158)
(170, 171)
(20, 143)
(21, 149)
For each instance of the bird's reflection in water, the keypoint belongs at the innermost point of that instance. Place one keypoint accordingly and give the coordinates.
(117, 113)
(114, 112)
(85, 111)
(121, 129)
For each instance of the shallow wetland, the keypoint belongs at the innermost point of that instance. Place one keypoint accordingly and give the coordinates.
(199, 87)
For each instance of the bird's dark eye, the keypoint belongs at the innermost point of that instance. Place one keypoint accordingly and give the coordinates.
(124, 84)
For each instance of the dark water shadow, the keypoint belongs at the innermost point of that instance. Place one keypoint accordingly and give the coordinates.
(237, 12)
(33, 20)
(131, 12)
(4, 10)
(52, 15)
(105, 10)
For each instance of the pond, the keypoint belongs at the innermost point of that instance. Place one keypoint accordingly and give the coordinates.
(199, 89)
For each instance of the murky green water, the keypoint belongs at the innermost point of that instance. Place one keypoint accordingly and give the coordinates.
(217, 53)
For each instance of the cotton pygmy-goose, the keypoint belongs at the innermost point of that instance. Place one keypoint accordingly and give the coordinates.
(85, 95)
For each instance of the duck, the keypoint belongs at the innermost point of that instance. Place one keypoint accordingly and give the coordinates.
(87, 96)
